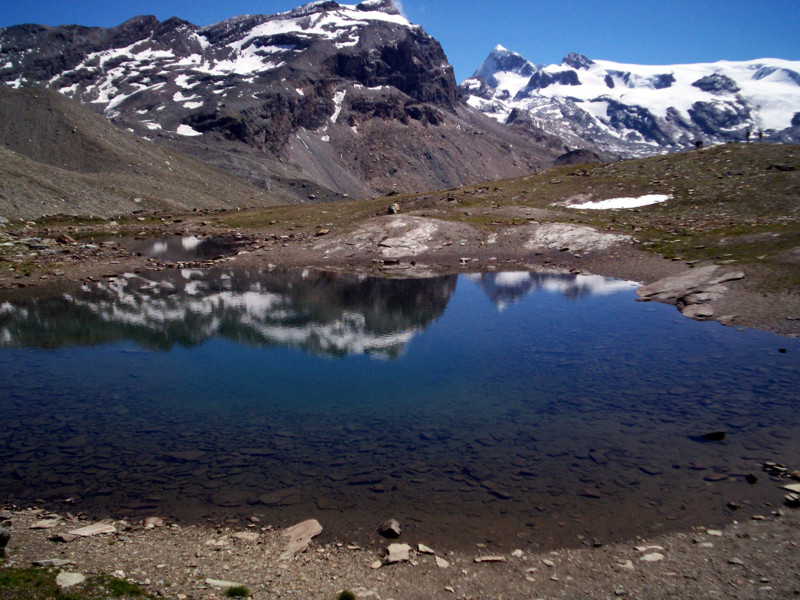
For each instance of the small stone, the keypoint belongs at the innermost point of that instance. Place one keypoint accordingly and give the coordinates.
(396, 553)
(736, 561)
(95, 529)
(714, 436)
(393, 209)
(65, 579)
(517, 553)
(714, 477)
(442, 563)
(450, 589)
(627, 565)
(390, 529)
(52, 562)
(246, 536)
(714, 532)
(321, 232)
(153, 522)
(652, 557)
(792, 487)
(490, 559)
(376, 565)
(792, 500)
(423, 549)
(751, 478)
(222, 584)
(45, 523)
(549, 562)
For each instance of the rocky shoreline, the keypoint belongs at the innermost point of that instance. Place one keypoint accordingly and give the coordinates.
(408, 246)
(749, 559)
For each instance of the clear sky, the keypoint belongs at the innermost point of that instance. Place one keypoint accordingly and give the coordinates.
(633, 31)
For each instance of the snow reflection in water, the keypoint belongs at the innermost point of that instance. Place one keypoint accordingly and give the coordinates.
(513, 406)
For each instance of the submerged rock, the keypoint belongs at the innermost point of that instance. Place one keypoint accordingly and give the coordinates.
(390, 529)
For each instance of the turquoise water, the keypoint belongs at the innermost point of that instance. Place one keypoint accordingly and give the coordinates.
(502, 407)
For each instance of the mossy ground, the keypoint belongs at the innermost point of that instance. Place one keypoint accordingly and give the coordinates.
(40, 584)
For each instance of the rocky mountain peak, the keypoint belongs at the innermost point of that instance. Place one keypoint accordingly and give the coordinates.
(338, 96)
(577, 61)
(386, 6)
(502, 60)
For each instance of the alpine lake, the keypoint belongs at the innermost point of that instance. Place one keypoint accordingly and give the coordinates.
(505, 408)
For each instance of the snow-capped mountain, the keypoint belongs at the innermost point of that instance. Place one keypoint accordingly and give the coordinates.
(636, 110)
(352, 99)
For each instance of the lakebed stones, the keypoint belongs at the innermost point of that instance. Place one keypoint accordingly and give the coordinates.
(300, 537)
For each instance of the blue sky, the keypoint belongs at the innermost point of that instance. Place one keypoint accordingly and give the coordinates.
(634, 31)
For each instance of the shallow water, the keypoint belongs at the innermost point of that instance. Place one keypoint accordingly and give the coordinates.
(512, 408)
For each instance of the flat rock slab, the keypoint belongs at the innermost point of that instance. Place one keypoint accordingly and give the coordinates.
(222, 584)
(396, 553)
(691, 291)
(52, 562)
(96, 529)
(65, 579)
(45, 524)
(246, 536)
(300, 537)
(652, 557)
(423, 549)
(490, 559)
(562, 236)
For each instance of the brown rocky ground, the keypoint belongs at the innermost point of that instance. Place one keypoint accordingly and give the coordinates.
(750, 559)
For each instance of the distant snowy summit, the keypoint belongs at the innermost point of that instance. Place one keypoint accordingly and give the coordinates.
(636, 110)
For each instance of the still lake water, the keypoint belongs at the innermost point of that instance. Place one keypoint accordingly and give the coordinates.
(509, 408)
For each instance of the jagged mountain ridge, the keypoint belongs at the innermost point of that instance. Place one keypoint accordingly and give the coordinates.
(637, 110)
(353, 98)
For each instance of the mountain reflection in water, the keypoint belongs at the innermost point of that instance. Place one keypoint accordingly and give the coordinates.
(318, 312)
(552, 407)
